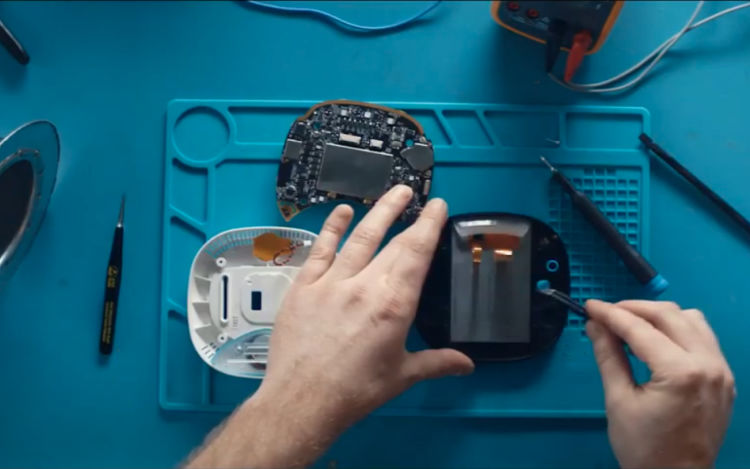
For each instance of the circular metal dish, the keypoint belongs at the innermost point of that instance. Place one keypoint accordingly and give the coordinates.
(29, 158)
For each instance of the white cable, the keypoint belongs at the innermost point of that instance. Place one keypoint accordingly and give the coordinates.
(721, 13)
(644, 60)
(656, 55)
(670, 42)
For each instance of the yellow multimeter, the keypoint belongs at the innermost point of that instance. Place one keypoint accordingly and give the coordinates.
(579, 27)
(532, 19)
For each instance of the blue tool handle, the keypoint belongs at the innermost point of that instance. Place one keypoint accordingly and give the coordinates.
(636, 264)
(111, 294)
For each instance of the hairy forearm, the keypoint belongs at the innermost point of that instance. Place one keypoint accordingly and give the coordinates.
(270, 430)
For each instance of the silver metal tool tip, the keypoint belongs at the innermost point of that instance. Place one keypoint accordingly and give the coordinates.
(122, 211)
(547, 163)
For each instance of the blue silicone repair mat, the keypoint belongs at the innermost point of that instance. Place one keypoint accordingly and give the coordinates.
(220, 173)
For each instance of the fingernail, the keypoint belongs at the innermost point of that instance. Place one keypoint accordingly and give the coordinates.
(403, 191)
(463, 372)
(593, 302)
(345, 208)
(437, 203)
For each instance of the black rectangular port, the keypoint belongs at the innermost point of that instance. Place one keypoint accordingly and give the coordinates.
(255, 300)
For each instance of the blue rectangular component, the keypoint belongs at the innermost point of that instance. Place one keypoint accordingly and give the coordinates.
(493, 149)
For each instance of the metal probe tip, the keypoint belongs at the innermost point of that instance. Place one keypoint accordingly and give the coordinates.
(122, 211)
(547, 163)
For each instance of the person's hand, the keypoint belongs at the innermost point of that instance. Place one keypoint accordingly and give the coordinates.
(340, 334)
(679, 417)
(337, 349)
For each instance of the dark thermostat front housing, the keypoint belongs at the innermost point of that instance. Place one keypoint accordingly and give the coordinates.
(480, 293)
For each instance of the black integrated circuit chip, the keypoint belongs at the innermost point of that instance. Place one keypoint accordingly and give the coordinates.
(349, 150)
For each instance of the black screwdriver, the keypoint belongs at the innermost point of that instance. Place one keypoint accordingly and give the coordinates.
(693, 179)
(11, 44)
(112, 287)
(654, 282)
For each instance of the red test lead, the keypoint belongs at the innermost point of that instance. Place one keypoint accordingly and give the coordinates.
(581, 44)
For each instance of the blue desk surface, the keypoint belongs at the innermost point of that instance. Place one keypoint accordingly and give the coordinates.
(104, 72)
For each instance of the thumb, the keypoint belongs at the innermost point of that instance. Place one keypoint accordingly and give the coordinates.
(430, 364)
(617, 377)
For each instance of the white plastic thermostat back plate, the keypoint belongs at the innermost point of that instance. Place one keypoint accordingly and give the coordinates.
(237, 282)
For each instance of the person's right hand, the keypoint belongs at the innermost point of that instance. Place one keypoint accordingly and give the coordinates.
(679, 417)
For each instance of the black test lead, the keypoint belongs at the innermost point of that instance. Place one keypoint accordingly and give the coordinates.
(700, 185)
(112, 287)
(654, 282)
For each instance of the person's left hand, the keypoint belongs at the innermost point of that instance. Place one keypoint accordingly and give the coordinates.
(339, 338)
(337, 348)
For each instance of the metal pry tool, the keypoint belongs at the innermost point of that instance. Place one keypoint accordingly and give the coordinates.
(654, 282)
(564, 299)
(112, 287)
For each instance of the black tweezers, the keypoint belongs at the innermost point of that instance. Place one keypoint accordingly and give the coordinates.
(565, 300)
